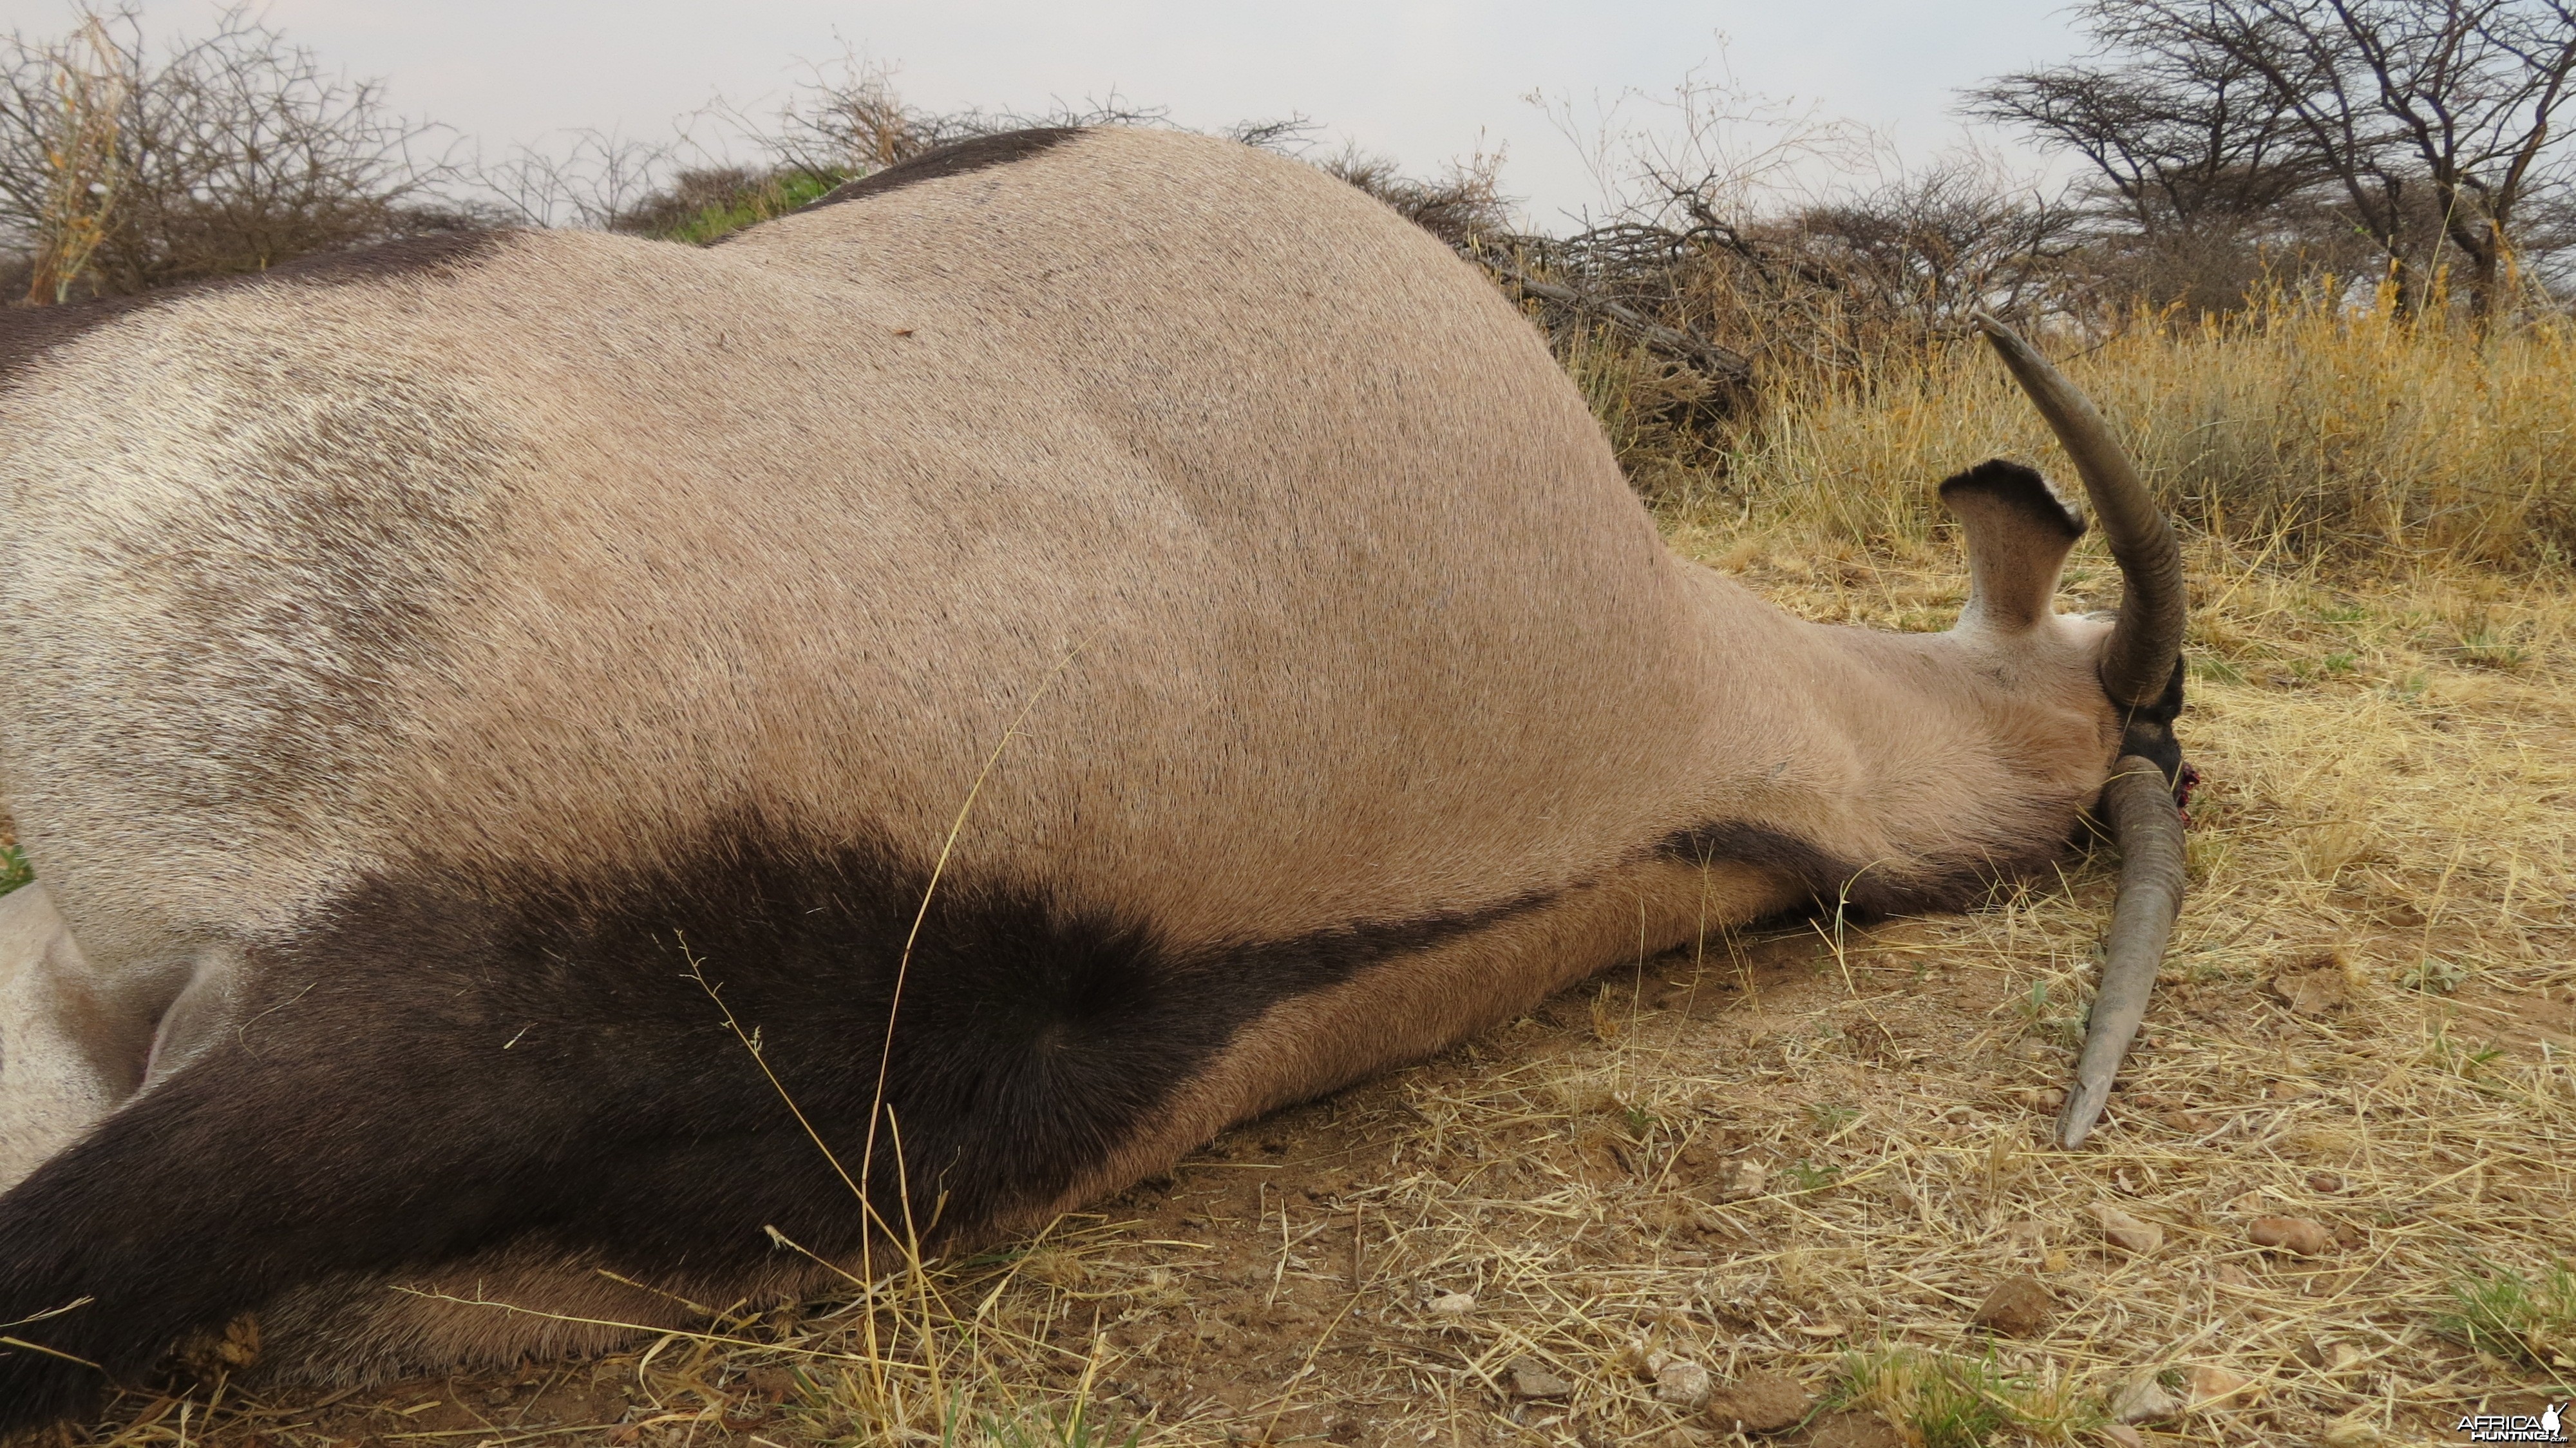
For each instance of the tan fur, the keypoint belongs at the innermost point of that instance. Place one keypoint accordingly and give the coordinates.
(493, 1312)
(1316, 1043)
(570, 556)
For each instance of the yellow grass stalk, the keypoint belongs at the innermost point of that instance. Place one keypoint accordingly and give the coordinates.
(2339, 431)
(91, 77)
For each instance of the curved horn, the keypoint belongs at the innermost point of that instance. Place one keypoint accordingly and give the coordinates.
(2139, 659)
(2149, 829)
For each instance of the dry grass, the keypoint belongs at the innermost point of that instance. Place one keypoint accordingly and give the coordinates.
(2323, 430)
(1813, 1153)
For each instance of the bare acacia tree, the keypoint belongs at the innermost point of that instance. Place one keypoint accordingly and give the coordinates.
(2412, 122)
(2471, 89)
(2200, 166)
(1462, 204)
(229, 154)
(599, 180)
(1740, 234)
(1933, 247)
(2182, 135)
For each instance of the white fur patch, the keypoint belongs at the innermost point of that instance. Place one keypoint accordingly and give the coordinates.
(50, 1089)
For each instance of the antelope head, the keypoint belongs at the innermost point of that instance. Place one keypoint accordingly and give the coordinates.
(2141, 672)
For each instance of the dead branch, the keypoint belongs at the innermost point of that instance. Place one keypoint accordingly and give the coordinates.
(1716, 361)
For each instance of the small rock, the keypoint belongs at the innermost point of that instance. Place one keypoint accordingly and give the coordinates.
(778, 1385)
(2144, 1401)
(2124, 1435)
(1745, 1178)
(2219, 1388)
(2234, 1275)
(2128, 1233)
(2324, 1181)
(1453, 1304)
(2291, 1234)
(1759, 1403)
(2313, 992)
(2018, 1307)
(1682, 1383)
(1530, 1380)
(1327, 1186)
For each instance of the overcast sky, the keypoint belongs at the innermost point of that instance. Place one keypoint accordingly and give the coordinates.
(1425, 81)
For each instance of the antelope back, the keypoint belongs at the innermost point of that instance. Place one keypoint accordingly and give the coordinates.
(584, 556)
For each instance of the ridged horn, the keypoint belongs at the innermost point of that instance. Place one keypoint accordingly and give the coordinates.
(2138, 660)
(2149, 828)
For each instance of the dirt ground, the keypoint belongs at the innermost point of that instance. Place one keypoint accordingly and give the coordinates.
(1779, 1180)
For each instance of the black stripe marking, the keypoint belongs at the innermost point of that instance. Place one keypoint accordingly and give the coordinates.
(2147, 730)
(2023, 490)
(27, 333)
(951, 160)
(441, 1065)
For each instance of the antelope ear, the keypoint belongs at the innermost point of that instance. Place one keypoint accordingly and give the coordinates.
(2019, 533)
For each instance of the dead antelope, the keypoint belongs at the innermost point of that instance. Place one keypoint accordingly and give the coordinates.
(1073, 641)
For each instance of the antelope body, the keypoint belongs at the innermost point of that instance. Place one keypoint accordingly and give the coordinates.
(1071, 643)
